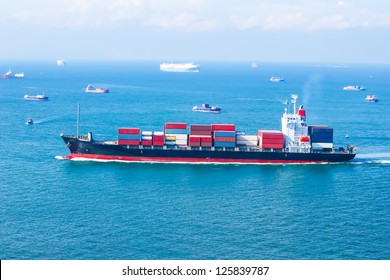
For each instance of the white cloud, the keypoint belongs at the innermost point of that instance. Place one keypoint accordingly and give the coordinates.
(199, 15)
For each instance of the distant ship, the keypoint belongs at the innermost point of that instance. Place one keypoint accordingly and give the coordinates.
(39, 97)
(10, 75)
(90, 88)
(372, 98)
(254, 65)
(276, 79)
(60, 62)
(179, 67)
(206, 108)
(354, 88)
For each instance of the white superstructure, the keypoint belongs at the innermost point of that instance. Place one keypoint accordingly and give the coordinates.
(295, 129)
(179, 67)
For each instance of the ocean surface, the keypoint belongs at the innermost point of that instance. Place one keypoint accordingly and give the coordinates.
(59, 209)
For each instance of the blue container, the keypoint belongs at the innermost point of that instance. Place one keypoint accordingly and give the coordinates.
(129, 137)
(225, 144)
(224, 134)
(175, 131)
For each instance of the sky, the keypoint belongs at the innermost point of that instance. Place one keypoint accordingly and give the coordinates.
(331, 31)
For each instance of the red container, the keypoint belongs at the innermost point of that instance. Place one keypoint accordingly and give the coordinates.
(224, 139)
(200, 127)
(206, 144)
(223, 127)
(194, 144)
(158, 143)
(175, 126)
(201, 132)
(158, 138)
(270, 134)
(128, 142)
(147, 142)
(206, 139)
(195, 138)
(272, 146)
(128, 131)
(271, 141)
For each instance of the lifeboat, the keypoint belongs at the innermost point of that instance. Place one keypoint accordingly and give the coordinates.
(304, 139)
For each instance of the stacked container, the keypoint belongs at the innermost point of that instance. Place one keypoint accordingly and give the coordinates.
(147, 138)
(321, 137)
(176, 134)
(225, 139)
(200, 135)
(224, 135)
(247, 140)
(129, 136)
(271, 139)
(158, 138)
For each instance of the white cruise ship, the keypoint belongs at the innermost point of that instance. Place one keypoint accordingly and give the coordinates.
(179, 67)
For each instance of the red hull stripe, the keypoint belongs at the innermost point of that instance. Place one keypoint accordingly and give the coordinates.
(178, 160)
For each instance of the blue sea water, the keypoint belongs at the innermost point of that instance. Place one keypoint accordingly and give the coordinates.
(58, 209)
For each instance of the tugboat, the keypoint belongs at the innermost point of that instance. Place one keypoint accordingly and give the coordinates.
(206, 108)
(29, 121)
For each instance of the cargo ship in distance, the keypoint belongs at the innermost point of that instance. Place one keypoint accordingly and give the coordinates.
(297, 143)
(179, 67)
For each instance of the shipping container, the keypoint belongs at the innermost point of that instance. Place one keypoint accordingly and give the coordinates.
(241, 137)
(170, 142)
(224, 139)
(175, 126)
(129, 136)
(223, 127)
(206, 144)
(200, 127)
(194, 144)
(276, 134)
(207, 139)
(158, 143)
(128, 142)
(123, 130)
(272, 146)
(201, 132)
(147, 133)
(158, 138)
(194, 138)
(225, 133)
(146, 137)
(175, 131)
(158, 133)
(170, 137)
(225, 144)
(147, 142)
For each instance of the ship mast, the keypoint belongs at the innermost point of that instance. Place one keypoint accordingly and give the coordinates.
(78, 120)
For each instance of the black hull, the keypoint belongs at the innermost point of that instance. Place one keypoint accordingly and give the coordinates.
(95, 150)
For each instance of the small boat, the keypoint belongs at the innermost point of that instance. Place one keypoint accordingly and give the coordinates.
(206, 108)
(10, 75)
(40, 97)
(276, 79)
(354, 88)
(372, 98)
(29, 121)
(91, 88)
(254, 65)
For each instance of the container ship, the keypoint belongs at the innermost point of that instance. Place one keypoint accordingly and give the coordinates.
(179, 67)
(297, 142)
